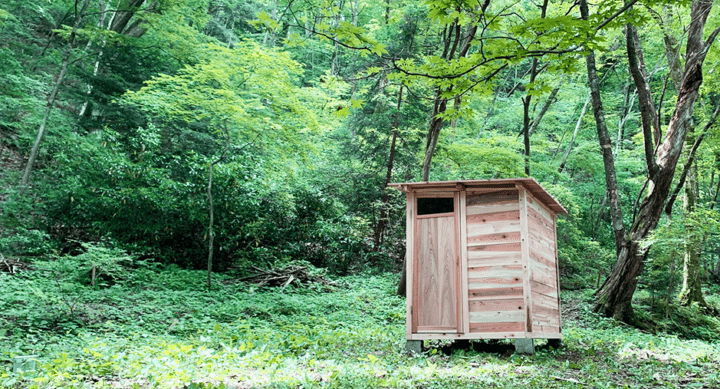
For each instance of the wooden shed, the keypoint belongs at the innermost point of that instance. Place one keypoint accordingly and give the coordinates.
(482, 261)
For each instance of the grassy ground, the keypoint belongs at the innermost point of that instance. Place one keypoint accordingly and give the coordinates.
(163, 328)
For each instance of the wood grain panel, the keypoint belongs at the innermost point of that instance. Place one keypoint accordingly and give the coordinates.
(497, 327)
(543, 300)
(496, 247)
(540, 247)
(497, 305)
(495, 282)
(525, 247)
(479, 335)
(557, 272)
(537, 206)
(474, 294)
(547, 314)
(489, 258)
(497, 197)
(493, 227)
(539, 220)
(542, 240)
(465, 313)
(497, 316)
(542, 277)
(498, 270)
(544, 320)
(434, 194)
(549, 329)
(491, 208)
(494, 217)
(546, 271)
(502, 237)
(547, 290)
(437, 298)
(542, 258)
(410, 297)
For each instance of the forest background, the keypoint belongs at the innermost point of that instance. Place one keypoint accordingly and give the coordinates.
(232, 135)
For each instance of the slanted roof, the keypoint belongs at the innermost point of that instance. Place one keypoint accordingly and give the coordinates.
(528, 183)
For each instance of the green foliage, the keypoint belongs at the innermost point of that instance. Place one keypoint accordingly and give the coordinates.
(168, 332)
(490, 156)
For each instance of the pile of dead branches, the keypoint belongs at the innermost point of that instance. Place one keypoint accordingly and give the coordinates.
(300, 275)
(12, 266)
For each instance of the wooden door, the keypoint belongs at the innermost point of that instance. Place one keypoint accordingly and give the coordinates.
(437, 266)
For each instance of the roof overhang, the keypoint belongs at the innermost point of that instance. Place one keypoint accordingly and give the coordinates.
(507, 183)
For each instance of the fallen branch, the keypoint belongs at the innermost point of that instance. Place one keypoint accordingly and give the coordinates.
(283, 277)
(13, 266)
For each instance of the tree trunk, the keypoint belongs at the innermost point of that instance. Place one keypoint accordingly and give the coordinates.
(211, 234)
(118, 23)
(614, 297)
(436, 124)
(605, 144)
(623, 117)
(53, 95)
(574, 135)
(551, 99)
(526, 128)
(692, 271)
(440, 105)
(380, 227)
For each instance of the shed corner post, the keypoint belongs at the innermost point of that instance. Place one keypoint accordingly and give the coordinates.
(465, 305)
(409, 263)
(525, 250)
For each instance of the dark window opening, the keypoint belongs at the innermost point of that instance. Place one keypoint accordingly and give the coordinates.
(429, 206)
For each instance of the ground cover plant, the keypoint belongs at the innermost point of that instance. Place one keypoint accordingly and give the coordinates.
(162, 328)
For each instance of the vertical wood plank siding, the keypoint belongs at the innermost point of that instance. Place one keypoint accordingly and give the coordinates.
(437, 294)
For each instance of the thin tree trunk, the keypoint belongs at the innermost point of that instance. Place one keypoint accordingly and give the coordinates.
(648, 115)
(572, 140)
(53, 95)
(605, 144)
(623, 118)
(96, 68)
(356, 10)
(526, 123)
(691, 291)
(526, 103)
(382, 222)
(440, 106)
(436, 124)
(691, 159)
(546, 106)
(211, 234)
(615, 296)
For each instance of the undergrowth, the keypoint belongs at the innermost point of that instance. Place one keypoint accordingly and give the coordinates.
(163, 328)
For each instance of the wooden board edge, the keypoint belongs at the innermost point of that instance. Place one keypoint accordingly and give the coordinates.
(464, 264)
(470, 336)
(409, 262)
(525, 259)
(543, 335)
(557, 271)
(458, 269)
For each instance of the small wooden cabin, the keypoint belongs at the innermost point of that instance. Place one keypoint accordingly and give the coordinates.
(481, 261)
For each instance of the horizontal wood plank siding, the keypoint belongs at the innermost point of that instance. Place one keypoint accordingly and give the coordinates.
(543, 268)
(494, 268)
